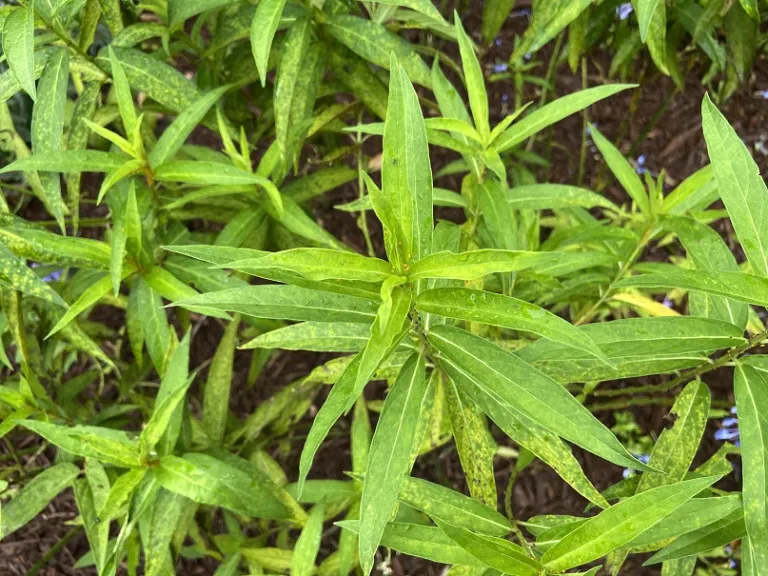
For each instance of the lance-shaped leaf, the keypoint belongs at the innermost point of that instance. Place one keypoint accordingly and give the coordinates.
(551, 196)
(389, 459)
(741, 187)
(676, 447)
(154, 323)
(751, 389)
(18, 275)
(621, 523)
(474, 443)
(98, 537)
(375, 43)
(315, 336)
(166, 415)
(505, 312)
(496, 553)
(286, 303)
(387, 331)
(478, 263)
(208, 480)
(635, 347)
(308, 543)
(708, 251)
(318, 264)
(623, 170)
(35, 496)
(478, 97)
(266, 19)
(104, 444)
(718, 533)
(299, 74)
(68, 161)
(554, 112)
(167, 510)
(19, 46)
(210, 173)
(48, 127)
(501, 382)
(693, 515)
(428, 542)
(652, 19)
(406, 175)
(453, 507)
(219, 385)
(739, 286)
(175, 135)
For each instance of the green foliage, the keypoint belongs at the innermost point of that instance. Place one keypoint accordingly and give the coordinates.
(136, 322)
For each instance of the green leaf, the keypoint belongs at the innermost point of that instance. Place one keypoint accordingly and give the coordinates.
(48, 127)
(154, 321)
(128, 169)
(718, 533)
(180, 10)
(175, 135)
(741, 187)
(406, 175)
(19, 46)
(735, 285)
(315, 336)
(20, 277)
(88, 298)
(676, 447)
(104, 444)
(478, 97)
(123, 94)
(495, 13)
(166, 415)
(742, 37)
(453, 507)
(549, 18)
(751, 389)
(318, 264)
(389, 460)
(501, 383)
(263, 27)
(286, 303)
(426, 542)
(208, 480)
(167, 510)
(210, 173)
(709, 252)
(425, 7)
(307, 545)
(693, 515)
(97, 532)
(553, 112)
(217, 389)
(652, 19)
(505, 312)
(623, 171)
(478, 263)
(552, 196)
(474, 444)
(68, 161)
(376, 43)
(173, 289)
(635, 347)
(387, 331)
(158, 80)
(621, 523)
(298, 77)
(497, 553)
(35, 496)
(120, 494)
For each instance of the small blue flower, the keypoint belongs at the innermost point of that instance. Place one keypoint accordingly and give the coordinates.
(53, 276)
(505, 97)
(500, 67)
(668, 303)
(729, 428)
(762, 93)
(624, 10)
(644, 458)
(498, 42)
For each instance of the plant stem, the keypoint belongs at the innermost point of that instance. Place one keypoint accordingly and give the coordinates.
(708, 366)
(636, 252)
(52, 551)
(584, 124)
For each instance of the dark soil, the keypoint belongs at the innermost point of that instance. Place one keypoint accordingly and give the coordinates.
(672, 142)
